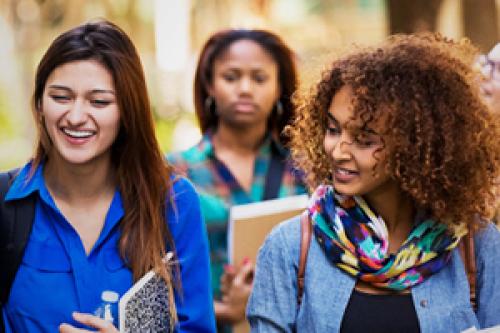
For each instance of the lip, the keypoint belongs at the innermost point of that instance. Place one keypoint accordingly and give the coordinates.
(244, 106)
(77, 141)
(343, 175)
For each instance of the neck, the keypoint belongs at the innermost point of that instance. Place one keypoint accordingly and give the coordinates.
(79, 183)
(245, 140)
(394, 207)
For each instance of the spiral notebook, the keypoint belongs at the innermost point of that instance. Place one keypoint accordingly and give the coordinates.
(145, 306)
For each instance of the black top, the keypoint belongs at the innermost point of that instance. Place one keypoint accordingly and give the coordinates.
(380, 313)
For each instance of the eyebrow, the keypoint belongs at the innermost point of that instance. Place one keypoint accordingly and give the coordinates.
(93, 91)
(332, 118)
(363, 129)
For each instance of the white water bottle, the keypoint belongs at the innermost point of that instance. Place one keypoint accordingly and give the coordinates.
(109, 303)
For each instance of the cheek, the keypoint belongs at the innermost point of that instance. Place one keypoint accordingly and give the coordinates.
(112, 121)
(379, 163)
(328, 145)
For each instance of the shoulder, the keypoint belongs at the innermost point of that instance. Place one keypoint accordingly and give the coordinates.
(183, 192)
(487, 242)
(193, 154)
(183, 207)
(287, 231)
(283, 240)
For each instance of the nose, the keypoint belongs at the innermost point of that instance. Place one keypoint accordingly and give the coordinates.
(245, 85)
(342, 150)
(76, 114)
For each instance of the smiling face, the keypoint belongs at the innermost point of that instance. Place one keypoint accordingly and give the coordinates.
(358, 154)
(245, 84)
(80, 112)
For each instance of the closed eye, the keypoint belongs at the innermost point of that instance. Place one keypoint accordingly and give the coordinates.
(260, 78)
(60, 98)
(100, 102)
(332, 130)
(230, 77)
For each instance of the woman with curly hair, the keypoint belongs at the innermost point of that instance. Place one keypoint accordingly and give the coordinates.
(403, 161)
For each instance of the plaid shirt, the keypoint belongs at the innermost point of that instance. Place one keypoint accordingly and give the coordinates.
(219, 190)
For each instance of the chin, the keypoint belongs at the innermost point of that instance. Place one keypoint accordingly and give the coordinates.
(78, 158)
(345, 190)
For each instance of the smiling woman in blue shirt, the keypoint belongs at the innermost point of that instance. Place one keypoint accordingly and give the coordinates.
(107, 206)
(403, 159)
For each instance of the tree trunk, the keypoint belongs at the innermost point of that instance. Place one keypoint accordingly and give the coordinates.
(408, 16)
(480, 19)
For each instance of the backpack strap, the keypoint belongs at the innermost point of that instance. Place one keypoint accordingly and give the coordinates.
(274, 174)
(305, 241)
(16, 221)
(467, 252)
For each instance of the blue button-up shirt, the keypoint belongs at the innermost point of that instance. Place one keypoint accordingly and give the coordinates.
(57, 277)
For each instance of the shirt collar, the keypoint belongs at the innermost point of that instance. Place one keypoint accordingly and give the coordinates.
(24, 185)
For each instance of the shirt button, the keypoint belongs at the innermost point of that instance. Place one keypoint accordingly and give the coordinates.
(424, 303)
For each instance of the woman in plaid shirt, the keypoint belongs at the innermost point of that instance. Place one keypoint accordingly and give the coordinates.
(242, 89)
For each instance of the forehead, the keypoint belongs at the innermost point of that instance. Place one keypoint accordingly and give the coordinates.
(245, 53)
(82, 74)
(341, 109)
(341, 106)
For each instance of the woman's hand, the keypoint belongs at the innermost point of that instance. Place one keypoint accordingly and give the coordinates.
(101, 325)
(236, 286)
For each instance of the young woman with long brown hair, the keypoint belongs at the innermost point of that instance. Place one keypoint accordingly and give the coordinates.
(107, 205)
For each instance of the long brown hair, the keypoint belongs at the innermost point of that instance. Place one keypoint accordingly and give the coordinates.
(215, 47)
(144, 177)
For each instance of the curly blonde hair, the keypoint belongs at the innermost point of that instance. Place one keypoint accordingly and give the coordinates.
(443, 143)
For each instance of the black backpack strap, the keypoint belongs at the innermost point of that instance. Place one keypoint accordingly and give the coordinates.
(274, 173)
(16, 221)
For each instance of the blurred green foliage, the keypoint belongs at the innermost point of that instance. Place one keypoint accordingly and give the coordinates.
(6, 127)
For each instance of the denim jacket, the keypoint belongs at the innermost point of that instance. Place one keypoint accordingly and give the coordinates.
(442, 301)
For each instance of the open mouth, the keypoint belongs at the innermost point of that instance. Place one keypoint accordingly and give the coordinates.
(345, 172)
(78, 134)
(342, 175)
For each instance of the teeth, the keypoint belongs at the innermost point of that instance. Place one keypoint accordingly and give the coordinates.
(344, 171)
(78, 134)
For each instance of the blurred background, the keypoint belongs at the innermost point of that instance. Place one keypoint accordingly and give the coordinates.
(170, 33)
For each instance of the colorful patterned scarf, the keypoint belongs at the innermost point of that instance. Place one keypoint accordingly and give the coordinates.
(356, 240)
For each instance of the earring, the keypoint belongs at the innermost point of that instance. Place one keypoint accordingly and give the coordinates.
(209, 101)
(279, 108)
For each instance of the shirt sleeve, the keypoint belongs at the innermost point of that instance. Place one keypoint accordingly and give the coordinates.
(488, 276)
(194, 300)
(273, 303)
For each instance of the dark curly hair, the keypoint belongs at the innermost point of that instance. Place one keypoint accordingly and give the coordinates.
(443, 143)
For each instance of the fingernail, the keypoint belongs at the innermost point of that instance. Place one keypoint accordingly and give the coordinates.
(246, 260)
(228, 268)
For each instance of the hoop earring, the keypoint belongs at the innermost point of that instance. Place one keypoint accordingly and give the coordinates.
(210, 105)
(279, 108)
